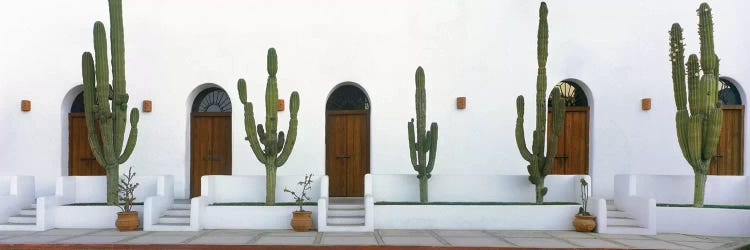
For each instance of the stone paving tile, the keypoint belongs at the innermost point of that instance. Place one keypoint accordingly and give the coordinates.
(4, 234)
(400, 232)
(233, 232)
(701, 245)
(349, 240)
(538, 242)
(68, 231)
(34, 239)
(290, 233)
(623, 236)
(176, 233)
(114, 232)
(521, 234)
(159, 239)
(285, 240)
(651, 244)
(411, 241)
(461, 233)
(571, 234)
(89, 239)
(347, 234)
(477, 241)
(678, 237)
(597, 243)
(221, 240)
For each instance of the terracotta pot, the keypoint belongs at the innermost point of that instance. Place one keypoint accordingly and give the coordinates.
(127, 221)
(301, 221)
(584, 223)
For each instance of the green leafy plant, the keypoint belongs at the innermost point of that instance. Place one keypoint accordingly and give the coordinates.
(539, 163)
(127, 191)
(425, 141)
(277, 147)
(583, 210)
(699, 127)
(302, 196)
(105, 105)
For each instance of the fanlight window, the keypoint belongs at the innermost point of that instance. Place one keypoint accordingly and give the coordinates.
(728, 93)
(212, 100)
(347, 97)
(572, 95)
(77, 106)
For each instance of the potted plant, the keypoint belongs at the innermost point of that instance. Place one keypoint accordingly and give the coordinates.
(583, 221)
(301, 219)
(127, 220)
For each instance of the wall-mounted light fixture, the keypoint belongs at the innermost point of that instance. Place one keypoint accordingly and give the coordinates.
(25, 105)
(146, 105)
(646, 104)
(281, 104)
(461, 102)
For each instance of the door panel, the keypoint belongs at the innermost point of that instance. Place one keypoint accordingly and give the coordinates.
(730, 148)
(81, 161)
(573, 143)
(347, 152)
(210, 147)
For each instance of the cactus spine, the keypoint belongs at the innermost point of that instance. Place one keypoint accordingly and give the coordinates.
(276, 149)
(425, 141)
(109, 153)
(539, 164)
(697, 130)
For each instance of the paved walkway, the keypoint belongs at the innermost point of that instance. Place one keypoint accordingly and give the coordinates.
(545, 239)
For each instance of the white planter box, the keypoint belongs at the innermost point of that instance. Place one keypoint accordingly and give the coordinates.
(475, 217)
(89, 216)
(703, 221)
(252, 217)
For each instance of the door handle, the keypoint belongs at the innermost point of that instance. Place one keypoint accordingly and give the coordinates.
(211, 158)
(343, 156)
(88, 158)
(718, 156)
(562, 156)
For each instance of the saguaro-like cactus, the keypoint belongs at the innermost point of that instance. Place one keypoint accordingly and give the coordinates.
(423, 142)
(539, 163)
(276, 149)
(107, 141)
(697, 130)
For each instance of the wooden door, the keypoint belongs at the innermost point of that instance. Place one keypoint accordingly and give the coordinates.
(210, 147)
(729, 153)
(347, 152)
(81, 161)
(573, 143)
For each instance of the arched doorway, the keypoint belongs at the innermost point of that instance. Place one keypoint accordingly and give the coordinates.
(210, 137)
(573, 143)
(347, 141)
(729, 152)
(81, 161)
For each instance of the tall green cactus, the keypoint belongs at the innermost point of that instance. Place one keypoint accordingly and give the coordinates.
(276, 150)
(539, 163)
(425, 141)
(697, 130)
(109, 153)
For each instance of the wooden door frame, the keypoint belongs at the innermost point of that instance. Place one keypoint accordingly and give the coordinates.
(194, 115)
(586, 109)
(367, 132)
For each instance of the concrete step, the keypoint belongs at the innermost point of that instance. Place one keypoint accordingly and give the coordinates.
(33, 206)
(30, 211)
(345, 220)
(626, 230)
(345, 206)
(346, 212)
(178, 206)
(177, 212)
(171, 227)
(615, 221)
(22, 219)
(174, 220)
(617, 214)
(18, 227)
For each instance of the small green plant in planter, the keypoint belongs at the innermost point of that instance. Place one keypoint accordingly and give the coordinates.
(127, 220)
(301, 219)
(583, 221)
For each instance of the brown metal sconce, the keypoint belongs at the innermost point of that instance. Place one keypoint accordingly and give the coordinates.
(25, 105)
(146, 105)
(281, 104)
(461, 102)
(646, 104)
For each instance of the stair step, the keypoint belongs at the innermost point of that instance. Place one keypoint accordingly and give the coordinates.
(345, 206)
(615, 221)
(22, 219)
(177, 212)
(173, 224)
(346, 212)
(627, 230)
(616, 213)
(179, 206)
(31, 212)
(33, 206)
(17, 227)
(347, 220)
(174, 220)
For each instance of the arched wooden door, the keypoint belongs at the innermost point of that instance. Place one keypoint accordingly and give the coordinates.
(347, 141)
(573, 143)
(210, 137)
(729, 152)
(81, 161)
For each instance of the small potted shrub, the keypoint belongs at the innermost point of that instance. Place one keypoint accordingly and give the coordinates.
(301, 219)
(127, 220)
(583, 221)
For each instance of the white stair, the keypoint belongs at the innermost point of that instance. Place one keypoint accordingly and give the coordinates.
(346, 215)
(24, 221)
(176, 218)
(619, 222)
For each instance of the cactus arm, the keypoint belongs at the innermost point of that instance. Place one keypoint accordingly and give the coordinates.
(433, 146)
(120, 97)
(695, 138)
(89, 100)
(677, 57)
(541, 80)
(291, 137)
(132, 137)
(102, 87)
(520, 139)
(711, 138)
(250, 131)
(558, 120)
(682, 120)
(694, 85)
(412, 145)
(420, 99)
(709, 61)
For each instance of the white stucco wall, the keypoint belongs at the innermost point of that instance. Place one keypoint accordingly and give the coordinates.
(481, 49)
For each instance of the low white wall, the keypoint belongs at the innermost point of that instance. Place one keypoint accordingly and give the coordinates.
(252, 188)
(251, 217)
(703, 221)
(526, 217)
(721, 190)
(93, 189)
(476, 188)
(89, 216)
